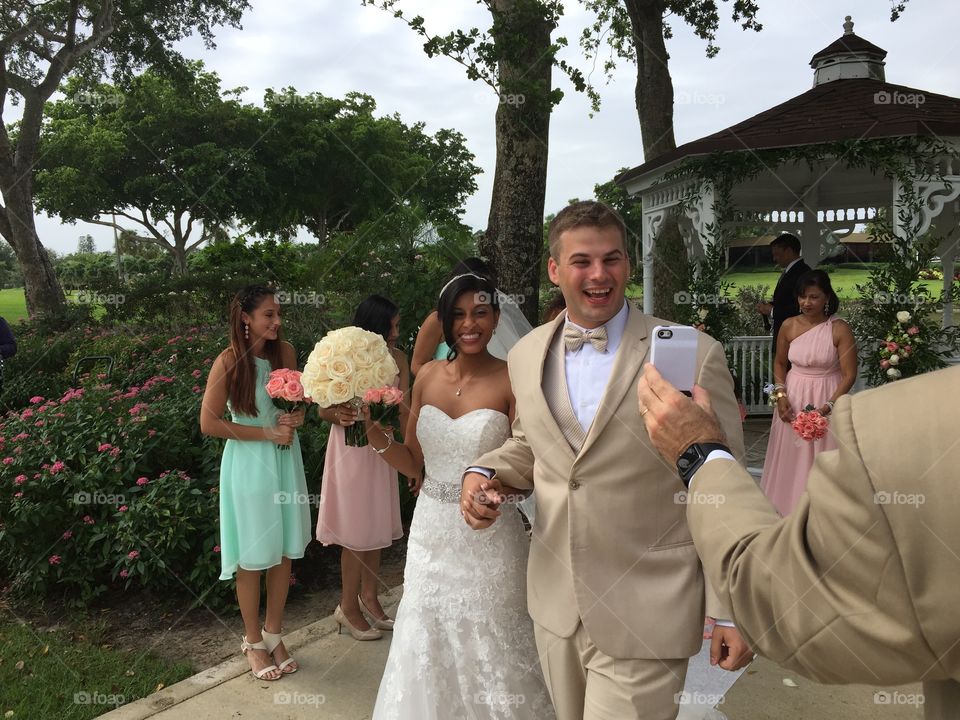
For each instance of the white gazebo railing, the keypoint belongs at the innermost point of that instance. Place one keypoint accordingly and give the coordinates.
(751, 358)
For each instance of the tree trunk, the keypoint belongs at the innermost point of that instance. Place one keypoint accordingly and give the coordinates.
(654, 101)
(43, 293)
(514, 237)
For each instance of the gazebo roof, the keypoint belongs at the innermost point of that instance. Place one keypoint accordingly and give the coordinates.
(841, 110)
(849, 43)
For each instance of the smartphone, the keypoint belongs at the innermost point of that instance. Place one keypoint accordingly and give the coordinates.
(674, 355)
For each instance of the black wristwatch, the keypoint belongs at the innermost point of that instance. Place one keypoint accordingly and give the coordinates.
(693, 457)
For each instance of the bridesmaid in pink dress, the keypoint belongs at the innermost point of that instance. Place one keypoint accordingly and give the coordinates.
(823, 356)
(360, 494)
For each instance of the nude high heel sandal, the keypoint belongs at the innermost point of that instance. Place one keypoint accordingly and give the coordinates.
(371, 634)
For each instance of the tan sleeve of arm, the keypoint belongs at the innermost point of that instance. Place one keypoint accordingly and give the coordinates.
(512, 462)
(716, 379)
(802, 590)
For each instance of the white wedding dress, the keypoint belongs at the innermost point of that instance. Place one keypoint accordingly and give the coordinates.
(463, 645)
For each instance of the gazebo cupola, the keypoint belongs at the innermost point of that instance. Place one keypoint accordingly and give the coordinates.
(848, 57)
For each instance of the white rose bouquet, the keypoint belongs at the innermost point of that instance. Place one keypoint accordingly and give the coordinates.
(343, 366)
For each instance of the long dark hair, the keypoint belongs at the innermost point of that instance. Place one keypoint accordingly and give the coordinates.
(375, 314)
(242, 373)
(483, 286)
(819, 279)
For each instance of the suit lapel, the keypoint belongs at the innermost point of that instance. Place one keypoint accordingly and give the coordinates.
(633, 350)
(541, 409)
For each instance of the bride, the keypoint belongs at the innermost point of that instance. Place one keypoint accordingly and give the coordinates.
(448, 659)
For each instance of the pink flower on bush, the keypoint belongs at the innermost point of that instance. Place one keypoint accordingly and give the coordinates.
(133, 554)
(20, 479)
(293, 579)
(884, 364)
(89, 520)
(8, 461)
(18, 495)
(197, 389)
(114, 452)
(26, 414)
(196, 373)
(67, 535)
(151, 432)
(913, 330)
(892, 346)
(38, 423)
(124, 573)
(104, 447)
(216, 548)
(122, 508)
(54, 559)
(141, 481)
(57, 467)
(36, 399)
(20, 436)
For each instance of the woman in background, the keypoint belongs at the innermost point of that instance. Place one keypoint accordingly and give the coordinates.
(263, 523)
(360, 494)
(823, 356)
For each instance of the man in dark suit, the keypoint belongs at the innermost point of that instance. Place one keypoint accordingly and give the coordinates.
(859, 584)
(786, 254)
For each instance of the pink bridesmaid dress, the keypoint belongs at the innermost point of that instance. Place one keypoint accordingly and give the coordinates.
(812, 379)
(359, 497)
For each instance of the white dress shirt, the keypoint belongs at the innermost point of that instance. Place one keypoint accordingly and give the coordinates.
(588, 370)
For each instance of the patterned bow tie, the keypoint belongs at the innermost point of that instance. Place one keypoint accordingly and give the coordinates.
(574, 338)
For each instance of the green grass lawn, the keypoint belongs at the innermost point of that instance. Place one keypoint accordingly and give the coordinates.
(71, 676)
(13, 306)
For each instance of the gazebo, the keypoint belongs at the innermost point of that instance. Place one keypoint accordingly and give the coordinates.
(823, 200)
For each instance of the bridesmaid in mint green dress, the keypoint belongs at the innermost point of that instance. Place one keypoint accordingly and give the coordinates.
(264, 512)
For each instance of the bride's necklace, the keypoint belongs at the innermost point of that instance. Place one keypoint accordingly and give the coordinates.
(464, 381)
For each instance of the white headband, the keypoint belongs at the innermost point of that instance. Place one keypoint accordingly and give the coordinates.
(457, 277)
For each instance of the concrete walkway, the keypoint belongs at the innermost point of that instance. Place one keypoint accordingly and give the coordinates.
(339, 680)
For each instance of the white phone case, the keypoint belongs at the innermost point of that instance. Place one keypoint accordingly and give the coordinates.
(674, 354)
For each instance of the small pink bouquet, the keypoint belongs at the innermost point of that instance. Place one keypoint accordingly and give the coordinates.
(384, 403)
(810, 424)
(285, 387)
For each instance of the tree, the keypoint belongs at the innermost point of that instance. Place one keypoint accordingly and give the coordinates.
(515, 56)
(330, 165)
(41, 44)
(172, 156)
(85, 244)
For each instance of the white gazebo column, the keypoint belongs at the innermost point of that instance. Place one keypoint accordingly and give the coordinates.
(652, 223)
(810, 240)
(947, 226)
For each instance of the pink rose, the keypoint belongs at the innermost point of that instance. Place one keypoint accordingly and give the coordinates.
(293, 391)
(8, 461)
(141, 481)
(104, 447)
(892, 346)
(373, 395)
(57, 467)
(275, 386)
(913, 330)
(133, 554)
(884, 364)
(19, 479)
(216, 548)
(392, 395)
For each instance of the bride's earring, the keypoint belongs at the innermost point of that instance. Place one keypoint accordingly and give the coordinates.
(246, 331)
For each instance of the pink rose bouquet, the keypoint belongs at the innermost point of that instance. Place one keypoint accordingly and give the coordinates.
(284, 386)
(810, 424)
(384, 403)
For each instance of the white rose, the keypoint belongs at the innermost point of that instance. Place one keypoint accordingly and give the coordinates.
(339, 392)
(341, 368)
(363, 380)
(363, 359)
(322, 350)
(894, 359)
(702, 314)
(903, 317)
(319, 393)
(893, 373)
(386, 371)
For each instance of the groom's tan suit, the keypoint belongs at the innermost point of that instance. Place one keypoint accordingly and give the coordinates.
(613, 572)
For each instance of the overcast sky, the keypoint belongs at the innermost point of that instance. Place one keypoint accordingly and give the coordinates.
(336, 46)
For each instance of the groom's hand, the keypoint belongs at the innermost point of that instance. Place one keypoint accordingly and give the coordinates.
(728, 649)
(480, 499)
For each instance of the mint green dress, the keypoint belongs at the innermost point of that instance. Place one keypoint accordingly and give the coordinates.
(264, 506)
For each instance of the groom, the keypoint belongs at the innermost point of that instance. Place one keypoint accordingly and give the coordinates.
(614, 583)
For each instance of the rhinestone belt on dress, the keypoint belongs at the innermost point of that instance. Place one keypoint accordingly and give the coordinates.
(441, 491)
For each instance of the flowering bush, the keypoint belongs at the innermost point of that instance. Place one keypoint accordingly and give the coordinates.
(110, 484)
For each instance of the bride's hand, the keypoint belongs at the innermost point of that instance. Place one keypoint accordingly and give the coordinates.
(414, 483)
(480, 500)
